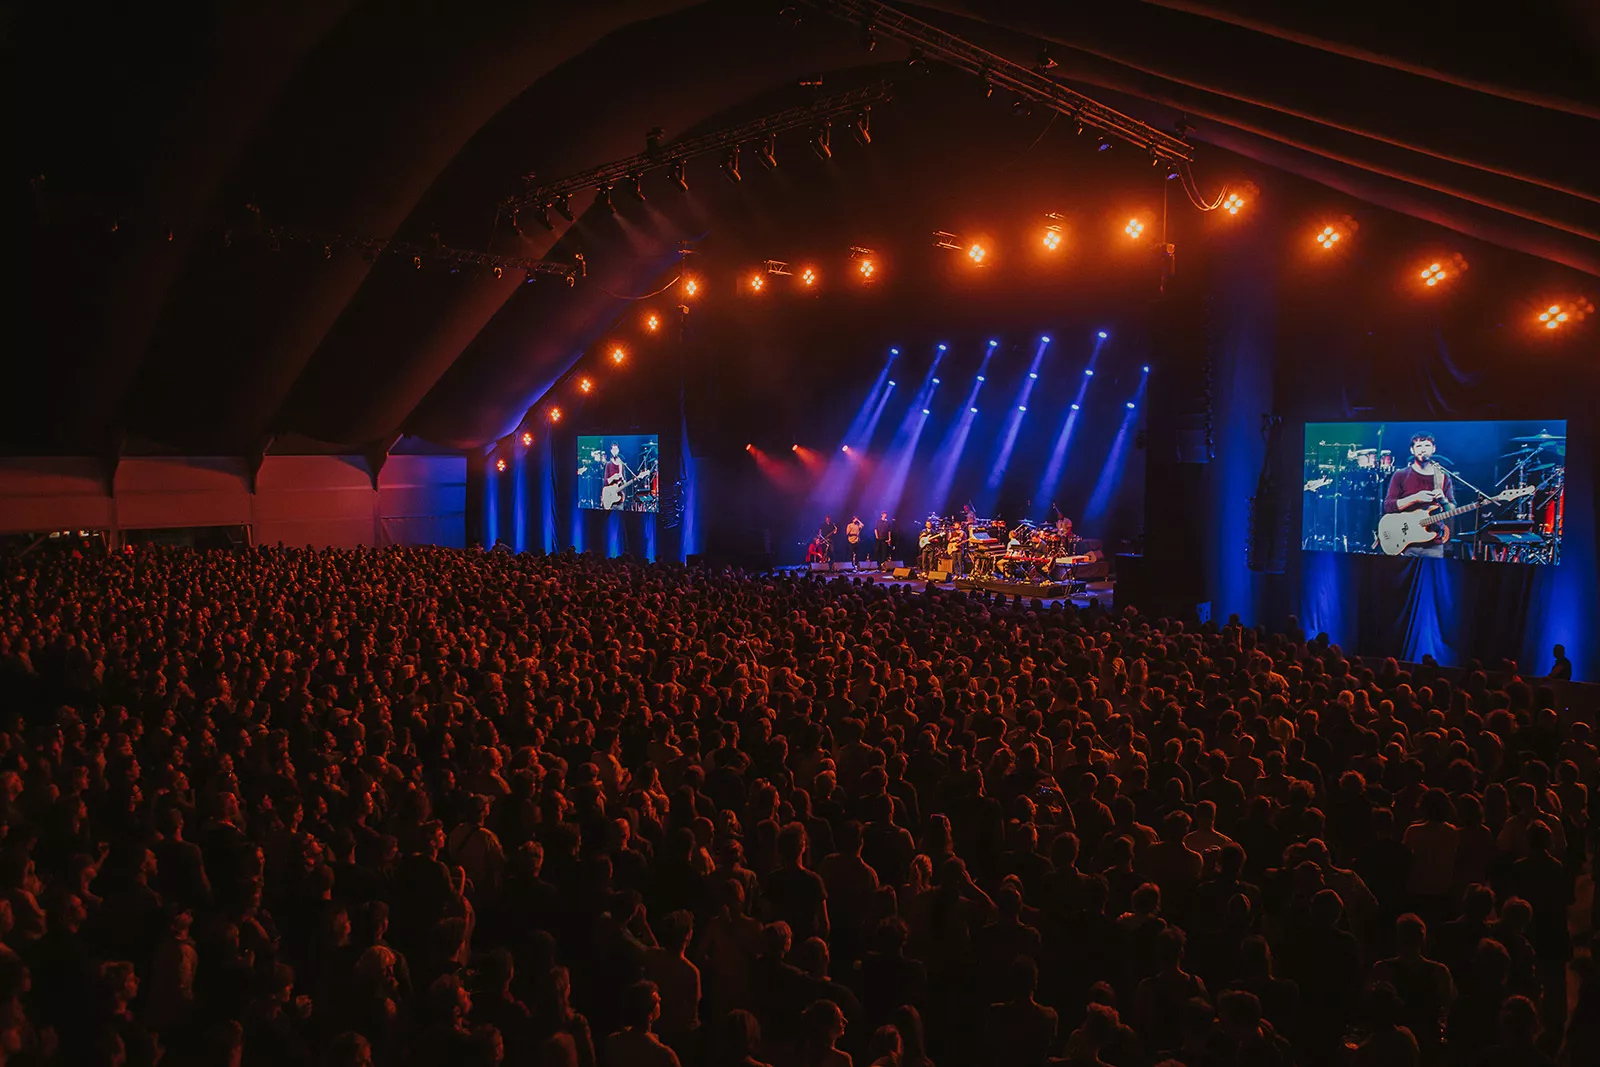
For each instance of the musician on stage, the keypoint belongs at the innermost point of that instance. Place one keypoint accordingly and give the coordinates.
(825, 535)
(852, 534)
(1416, 487)
(928, 542)
(614, 474)
(882, 534)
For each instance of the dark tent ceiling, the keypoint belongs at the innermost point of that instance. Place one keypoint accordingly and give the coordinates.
(413, 117)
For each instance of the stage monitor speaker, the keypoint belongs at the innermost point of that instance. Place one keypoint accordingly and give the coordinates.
(937, 576)
(821, 568)
(901, 572)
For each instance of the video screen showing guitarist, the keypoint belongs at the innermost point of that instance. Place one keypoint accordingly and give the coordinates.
(618, 474)
(1422, 486)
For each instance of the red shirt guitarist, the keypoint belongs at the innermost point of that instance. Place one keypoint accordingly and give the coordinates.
(1419, 485)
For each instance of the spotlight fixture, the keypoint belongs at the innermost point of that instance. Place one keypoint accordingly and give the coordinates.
(936, 381)
(679, 175)
(652, 322)
(808, 277)
(976, 252)
(994, 344)
(757, 283)
(844, 448)
(943, 347)
(602, 197)
(1044, 340)
(633, 186)
(1334, 231)
(1077, 407)
(891, 383)
(691, 287)
(1571, 310)
(1232, 203)
(1034, 375)
(1134, 229)
(585, 386)
(767, 152)
(794, 448)
(542, 216)
(822, 141)
(1101, 144)
(563, 208)
(866, 261)
(500, 465)
(1088, 372)
(861, 127)
(1022, 407)
(527, 439)
(1102, 335)
(973, 410)
(1052, 237)
(749, 447)
(1145, 368)
(1130, 405)
(618, 355)
(981, 378)
(866, 269)
(730, 164)
(925, 411)
(1442, 270)
(555, 414)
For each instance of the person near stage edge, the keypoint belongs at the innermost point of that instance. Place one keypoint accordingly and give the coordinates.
(1421, 484)
(852, 534)
(882, 533)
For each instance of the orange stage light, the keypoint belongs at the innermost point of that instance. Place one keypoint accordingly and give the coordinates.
(585, 385)
(1052, 238)
(691, 287)
(652, 322)
(1232, 203)
(758, 282)
(555, 414)
(865, 268)
(618, 355)
(500, 465)
(527, 439)
(808, 277)
(976, 254)
(1573, 310)
(1134, 229)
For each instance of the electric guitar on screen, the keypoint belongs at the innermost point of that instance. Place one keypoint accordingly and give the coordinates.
(611, 496)
(1400, 531)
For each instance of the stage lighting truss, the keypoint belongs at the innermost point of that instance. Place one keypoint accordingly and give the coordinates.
(1436, 272)
(866, 263)
(421, 254)
(1566, 312)
(930, 42)
(854, 105)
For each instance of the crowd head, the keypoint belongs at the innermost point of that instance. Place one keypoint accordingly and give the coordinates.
(415, 806)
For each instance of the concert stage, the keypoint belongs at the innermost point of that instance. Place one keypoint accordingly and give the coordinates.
(1100, 592)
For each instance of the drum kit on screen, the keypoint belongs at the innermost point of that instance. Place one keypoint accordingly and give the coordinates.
(975, 548)
(1349, 484)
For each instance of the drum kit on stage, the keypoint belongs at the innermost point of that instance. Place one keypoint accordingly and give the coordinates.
(1349, 484)
(986, 549)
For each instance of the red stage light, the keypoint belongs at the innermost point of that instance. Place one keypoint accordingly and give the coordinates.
(555, 414)
(1444, 269)
(618, 355)
(691, 287)
(500, 465)
(652, 322)
(585, 385)
(527, 439)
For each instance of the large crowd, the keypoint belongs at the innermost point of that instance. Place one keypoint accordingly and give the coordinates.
(420, 806)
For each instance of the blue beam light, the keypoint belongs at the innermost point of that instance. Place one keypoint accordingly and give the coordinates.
(1058, 455)
(1008, 440)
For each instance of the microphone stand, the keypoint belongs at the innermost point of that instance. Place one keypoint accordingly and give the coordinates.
(1477, 525)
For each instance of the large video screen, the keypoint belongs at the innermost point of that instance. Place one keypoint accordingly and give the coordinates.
(620, 472)
(1459, 490)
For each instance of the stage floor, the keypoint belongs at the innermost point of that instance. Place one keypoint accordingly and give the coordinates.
(1100, 592)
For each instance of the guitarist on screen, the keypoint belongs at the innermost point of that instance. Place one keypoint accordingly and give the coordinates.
(1418, 487)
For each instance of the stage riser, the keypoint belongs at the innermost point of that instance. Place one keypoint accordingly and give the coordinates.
(1048, 591)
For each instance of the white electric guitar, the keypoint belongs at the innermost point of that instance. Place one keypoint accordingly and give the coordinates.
(611, 494)
(1400, 531)
(1317, 483)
